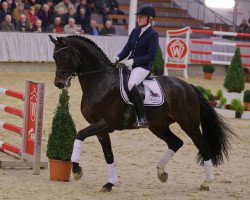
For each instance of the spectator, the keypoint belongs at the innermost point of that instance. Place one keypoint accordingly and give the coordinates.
(102, 7)
(70, 14)
(46, 17)
(91, 3)
(83, 4)
(38, 26)
(114, 9)
(12, 5)
(51, 6)
(93, 28)
(65, 4)
(4, 11)
(18, 12)
(71, 27)
(27, 4)
(61, 13)
(32, 16)
(57, 26)
(81, 19)
(6, 25)
(22, 25)
(108, 29)
(243, 26)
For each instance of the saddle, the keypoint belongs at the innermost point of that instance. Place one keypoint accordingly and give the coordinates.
(149, 89)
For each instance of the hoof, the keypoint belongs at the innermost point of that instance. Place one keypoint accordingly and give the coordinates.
(205, 186)
(78, 175)
(163, 177)
(107, 187)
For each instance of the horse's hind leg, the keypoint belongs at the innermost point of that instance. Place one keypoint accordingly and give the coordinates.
(194, 132)
(173, 142)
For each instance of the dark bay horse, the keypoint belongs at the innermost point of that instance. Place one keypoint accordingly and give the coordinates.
(103, 107)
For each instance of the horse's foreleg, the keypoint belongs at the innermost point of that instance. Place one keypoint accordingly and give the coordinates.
(93, 129)
(173, 142)
(105, 142)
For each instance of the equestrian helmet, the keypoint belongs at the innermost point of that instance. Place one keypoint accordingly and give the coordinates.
(146, 10)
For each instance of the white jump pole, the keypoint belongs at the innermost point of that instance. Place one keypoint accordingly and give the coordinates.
(132, 16)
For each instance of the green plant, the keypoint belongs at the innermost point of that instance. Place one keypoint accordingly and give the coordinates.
(234, 81)
(246, 97)
(209, 94)
(208, 68)
(201, 89)
(237, 105)
(219, 93)
(63, 131)
(158, 62)
(222, 102)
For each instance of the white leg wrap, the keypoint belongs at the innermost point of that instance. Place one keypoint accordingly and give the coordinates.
(76, 151)
(166, 157)
(113, 178)
(208, 166)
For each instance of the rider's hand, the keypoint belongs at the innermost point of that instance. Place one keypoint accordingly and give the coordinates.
(129, 63)
(116, 59)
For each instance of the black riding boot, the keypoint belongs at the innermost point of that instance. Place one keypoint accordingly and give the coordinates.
(139, 107)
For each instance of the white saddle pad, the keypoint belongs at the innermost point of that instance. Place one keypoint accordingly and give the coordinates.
(153, 92)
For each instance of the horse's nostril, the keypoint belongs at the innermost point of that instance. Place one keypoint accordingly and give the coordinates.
(60, 85)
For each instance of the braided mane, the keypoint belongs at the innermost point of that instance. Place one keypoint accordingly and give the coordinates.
(91, 42)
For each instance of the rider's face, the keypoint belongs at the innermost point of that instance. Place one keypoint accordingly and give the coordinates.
(142, 20)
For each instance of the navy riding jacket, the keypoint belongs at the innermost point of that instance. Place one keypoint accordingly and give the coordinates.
(142, 49)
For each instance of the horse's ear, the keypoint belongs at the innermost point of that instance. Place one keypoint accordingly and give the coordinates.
(62, 41)
(53, 39)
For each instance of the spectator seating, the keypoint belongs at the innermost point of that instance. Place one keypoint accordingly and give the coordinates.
(168, 16)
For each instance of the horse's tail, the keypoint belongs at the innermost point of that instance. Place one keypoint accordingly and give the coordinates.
(215, 131)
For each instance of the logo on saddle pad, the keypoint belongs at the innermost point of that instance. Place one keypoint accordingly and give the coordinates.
(152, 90)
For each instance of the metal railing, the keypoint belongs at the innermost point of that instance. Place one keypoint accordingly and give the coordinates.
(202, 11)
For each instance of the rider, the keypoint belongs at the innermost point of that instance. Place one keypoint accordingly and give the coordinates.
(142, 46)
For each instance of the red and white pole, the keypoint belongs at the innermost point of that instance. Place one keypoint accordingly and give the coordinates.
(6, 147)
(11, 110)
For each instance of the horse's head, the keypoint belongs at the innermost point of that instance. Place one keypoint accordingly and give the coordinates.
(67, 61)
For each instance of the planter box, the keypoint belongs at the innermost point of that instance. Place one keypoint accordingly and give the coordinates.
(231, 113)
(245, 115)
(225, 112)
(233, 95)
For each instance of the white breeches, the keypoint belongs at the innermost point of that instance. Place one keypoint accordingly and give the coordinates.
(137, 75)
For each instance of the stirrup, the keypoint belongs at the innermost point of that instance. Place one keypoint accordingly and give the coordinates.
(141, 123)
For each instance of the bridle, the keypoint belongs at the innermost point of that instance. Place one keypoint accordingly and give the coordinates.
(75, 71)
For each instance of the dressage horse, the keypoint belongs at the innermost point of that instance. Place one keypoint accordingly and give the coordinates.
(103, 107)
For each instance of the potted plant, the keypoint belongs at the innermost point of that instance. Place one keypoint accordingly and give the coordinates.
(61, 139)
(208, 71)
(238, 107)
(219, 94)
(234, 80)
(201, 89)
(246, 99)
(222, 102)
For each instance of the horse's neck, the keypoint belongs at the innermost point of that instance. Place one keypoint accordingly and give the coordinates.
(96, 72)
(98, 84)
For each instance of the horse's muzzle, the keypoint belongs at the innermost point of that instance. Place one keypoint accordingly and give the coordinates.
(59, 85)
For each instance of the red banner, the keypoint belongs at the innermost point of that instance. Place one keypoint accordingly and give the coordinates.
(31, 102)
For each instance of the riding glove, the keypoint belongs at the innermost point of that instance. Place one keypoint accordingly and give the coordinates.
(116, 59)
